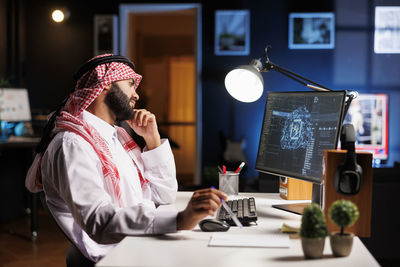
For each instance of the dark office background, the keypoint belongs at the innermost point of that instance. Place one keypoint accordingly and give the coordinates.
(39, 55)
(42, 56)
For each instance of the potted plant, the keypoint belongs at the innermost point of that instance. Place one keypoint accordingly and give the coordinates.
(313, 231)
(343, 213)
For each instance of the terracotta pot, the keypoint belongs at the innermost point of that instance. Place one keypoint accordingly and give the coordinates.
(341, 244)
(313, 247)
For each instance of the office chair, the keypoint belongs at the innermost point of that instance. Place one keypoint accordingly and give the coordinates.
(73, 257)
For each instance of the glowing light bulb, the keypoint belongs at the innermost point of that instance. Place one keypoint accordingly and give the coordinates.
(58, 16)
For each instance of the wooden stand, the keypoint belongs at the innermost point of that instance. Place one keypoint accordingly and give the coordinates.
(363, 200)
(294, 189)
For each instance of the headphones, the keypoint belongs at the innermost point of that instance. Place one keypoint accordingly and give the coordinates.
(99, 61)
(348, 176)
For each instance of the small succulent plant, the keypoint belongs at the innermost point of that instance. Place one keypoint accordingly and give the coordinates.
(343, 213)
(313, 223)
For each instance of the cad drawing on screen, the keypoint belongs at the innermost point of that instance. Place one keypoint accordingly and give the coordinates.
(297, 131)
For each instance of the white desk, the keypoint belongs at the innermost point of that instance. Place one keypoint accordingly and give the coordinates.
(190, 248)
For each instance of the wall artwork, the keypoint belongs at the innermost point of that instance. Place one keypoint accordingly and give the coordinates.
(232, 32)
(387, 30)
(312, 30)
(105, 34)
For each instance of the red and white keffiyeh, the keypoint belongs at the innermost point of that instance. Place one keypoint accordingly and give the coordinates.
(88, 87)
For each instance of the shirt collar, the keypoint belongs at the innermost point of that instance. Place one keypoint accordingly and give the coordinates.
(102, 127)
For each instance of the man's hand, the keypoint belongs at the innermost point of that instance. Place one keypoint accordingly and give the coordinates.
(203, 202)
(144, 124)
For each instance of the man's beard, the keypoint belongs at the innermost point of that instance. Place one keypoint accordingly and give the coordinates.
(119, 103)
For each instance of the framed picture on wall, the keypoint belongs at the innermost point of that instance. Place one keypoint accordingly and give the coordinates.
(312, 30)
(105, 34)
(387, 30)
(232, 32)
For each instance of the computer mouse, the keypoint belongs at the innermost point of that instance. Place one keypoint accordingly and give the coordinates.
(213, 225)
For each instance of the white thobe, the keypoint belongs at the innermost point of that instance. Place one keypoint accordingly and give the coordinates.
(75, 190)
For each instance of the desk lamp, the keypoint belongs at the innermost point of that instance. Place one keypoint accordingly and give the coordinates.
(249, 77)
(245, 83)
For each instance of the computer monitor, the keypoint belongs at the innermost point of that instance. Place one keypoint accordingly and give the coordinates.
(14, 105)
(369, 115)
(297, 128)
(14, 109)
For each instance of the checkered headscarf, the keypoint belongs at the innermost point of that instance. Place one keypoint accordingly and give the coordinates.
(92, 83)
(87, 89)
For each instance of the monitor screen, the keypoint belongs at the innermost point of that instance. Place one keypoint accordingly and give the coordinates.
(297, 127)
(369, 115)
(14, 104)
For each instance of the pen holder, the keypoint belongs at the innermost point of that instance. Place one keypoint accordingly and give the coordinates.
(229, 183)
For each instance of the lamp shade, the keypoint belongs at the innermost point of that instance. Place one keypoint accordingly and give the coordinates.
(245, 83)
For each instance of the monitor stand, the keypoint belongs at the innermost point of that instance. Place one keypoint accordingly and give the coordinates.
(297, 208)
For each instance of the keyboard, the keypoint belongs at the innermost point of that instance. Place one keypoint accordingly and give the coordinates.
(244, 209)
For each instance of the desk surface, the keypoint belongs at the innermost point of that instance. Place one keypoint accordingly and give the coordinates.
(190, 248)
(19, 141)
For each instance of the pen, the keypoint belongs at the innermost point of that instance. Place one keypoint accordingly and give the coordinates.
(240, 167)
(234, 218)
(220, 170)
(223, 169)
(226, 207)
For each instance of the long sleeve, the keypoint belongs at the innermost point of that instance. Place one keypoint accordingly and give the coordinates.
(77, 196)
(159, 166)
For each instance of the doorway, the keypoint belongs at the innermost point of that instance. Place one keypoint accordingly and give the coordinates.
(164, 40)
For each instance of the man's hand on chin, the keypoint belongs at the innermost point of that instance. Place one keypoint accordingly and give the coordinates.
(144, 124)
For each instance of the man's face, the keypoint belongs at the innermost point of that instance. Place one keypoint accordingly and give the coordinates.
(121, 99)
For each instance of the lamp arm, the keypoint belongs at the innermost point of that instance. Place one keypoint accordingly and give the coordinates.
(294, 76)
(288, 75)
(272, 66)
(350, 97)
(300, 79)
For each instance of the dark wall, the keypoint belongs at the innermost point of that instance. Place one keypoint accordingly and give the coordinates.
(352, 64)
(3, 41)
(53, 53)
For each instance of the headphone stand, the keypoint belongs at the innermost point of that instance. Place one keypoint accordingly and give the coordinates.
(363, 199)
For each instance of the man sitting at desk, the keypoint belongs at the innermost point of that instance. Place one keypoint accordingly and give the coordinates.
(99, 185)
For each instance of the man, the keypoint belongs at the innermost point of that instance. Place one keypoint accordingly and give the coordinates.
(99, 185)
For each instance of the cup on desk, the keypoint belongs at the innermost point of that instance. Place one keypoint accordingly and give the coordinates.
(229, 183)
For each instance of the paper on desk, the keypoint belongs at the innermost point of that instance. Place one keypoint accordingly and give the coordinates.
(290, 228)
(256, 241)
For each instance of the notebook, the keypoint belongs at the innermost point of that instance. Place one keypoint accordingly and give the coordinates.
(256, 241)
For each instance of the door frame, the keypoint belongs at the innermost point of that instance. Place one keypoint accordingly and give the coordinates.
(124, 11)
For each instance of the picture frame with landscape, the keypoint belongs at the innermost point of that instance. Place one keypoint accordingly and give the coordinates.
(312, 30)
(232, 32)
